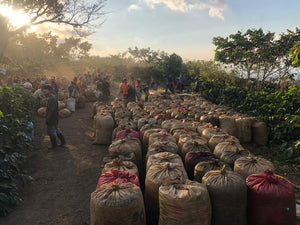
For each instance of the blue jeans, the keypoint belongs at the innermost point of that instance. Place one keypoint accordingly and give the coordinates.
(54, 131)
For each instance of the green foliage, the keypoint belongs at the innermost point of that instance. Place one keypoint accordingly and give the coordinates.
(31, 54)
(16, 105)
(173, 65)
(295, 52)
(257, 54)
(280, 110)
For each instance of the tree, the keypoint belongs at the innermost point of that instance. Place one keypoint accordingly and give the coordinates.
(256, 53)
(73, 48)
(30, 54)
(146, 55)
(173, 65)
(76, 13)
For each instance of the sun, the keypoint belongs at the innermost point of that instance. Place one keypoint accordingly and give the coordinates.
(16, 18)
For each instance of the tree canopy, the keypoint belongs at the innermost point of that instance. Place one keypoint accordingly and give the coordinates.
(76, 13)
(258, 54)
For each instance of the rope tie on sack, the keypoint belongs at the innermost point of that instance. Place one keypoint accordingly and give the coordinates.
(273, 178)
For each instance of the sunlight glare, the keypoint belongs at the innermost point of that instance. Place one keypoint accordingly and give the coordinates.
(16, 18)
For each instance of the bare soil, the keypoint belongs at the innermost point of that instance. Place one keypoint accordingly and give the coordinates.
(63, 178)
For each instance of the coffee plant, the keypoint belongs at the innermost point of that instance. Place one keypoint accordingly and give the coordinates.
(15, 143)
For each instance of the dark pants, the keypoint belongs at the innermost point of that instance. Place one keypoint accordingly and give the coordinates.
(125, 99)
(169, 87)
(54, 131)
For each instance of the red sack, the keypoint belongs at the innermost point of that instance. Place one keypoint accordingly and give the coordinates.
(118, 176)
(127, 133)
(182, 109)
(271, 200)
(193, 158)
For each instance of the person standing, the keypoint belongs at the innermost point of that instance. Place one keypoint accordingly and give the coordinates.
(52, 118)
(170, 83)
(182, 81)
(139, 89)
(106, 89)
(132, 82)
(125, 88)
(178, 85)
(54, 86)
(197, 85)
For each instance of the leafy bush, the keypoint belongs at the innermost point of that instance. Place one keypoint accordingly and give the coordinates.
(280, 110)
(15, 114)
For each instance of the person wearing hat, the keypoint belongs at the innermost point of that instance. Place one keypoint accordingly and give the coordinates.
(197, 85)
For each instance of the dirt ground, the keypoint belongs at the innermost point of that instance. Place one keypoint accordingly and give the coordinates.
(64, 178)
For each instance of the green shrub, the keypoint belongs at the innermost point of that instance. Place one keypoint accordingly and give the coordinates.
(15, 114)
(280, 110)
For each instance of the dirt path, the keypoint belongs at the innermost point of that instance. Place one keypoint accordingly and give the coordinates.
(64, 178)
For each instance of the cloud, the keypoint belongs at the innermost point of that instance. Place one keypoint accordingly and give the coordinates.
(134, 7)
(61, 30)
(215, 7)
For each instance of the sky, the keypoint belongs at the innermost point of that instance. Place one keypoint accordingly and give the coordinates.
(184, 27)
(187, 27)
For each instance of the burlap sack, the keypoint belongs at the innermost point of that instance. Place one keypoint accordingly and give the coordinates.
(209, 132)
(146, 135)
(203, 167)
(228, 145)
(148, 127)
(42, 112)
(183, 139)
(61, 105)
(193, 146)
(260, 133)
(178, 133)
(248, 165)
(167, 125)
(119, 164)
(186, 203)
(104, 125)
(118, 204)
(64, 113)
(216, 139)
(160, 136)
(163, 157)
(228, 195)
(244, 129)
(156, 175)
(125, 145)
(161, 146)
(227, 123)
(229, 156)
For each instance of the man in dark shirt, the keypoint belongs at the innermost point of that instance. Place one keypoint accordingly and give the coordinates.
(52, 118)
(170, 83)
